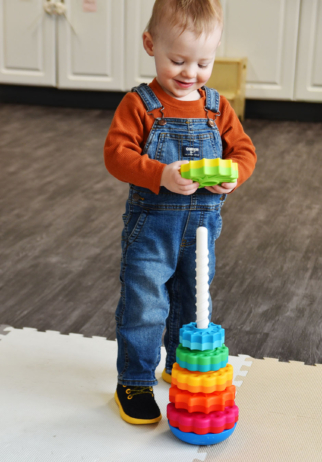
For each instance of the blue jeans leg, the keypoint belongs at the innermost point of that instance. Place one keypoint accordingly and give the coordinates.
(148, 262)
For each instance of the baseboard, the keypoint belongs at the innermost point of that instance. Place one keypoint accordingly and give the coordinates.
(48, 96)
(283, 110)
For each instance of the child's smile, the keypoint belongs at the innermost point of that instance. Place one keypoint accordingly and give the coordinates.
(184, 84)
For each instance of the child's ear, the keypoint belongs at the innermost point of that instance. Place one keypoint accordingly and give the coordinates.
(148, 43)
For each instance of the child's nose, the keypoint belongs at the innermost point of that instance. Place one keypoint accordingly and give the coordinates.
(189, 72)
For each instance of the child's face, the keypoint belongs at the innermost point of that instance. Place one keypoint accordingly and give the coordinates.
(183, 62)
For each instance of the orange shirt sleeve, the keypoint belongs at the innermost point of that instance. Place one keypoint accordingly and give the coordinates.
(236, 144)
(124, 144)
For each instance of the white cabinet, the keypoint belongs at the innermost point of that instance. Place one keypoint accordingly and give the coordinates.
(266, 33)
(102, 50)
(308, 86)
(91, 46)
(78, 49)
(27, 43)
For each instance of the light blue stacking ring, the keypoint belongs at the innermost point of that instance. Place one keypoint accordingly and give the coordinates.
(202, 339)
(202, 440)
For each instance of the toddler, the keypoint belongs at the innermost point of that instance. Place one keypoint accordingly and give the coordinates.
(157, 128)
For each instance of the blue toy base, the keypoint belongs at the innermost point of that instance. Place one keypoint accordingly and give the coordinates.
(202, 440)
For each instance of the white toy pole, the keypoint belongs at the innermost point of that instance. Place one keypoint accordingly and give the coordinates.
(202, 278)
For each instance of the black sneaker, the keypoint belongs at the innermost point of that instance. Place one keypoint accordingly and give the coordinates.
(137, 404)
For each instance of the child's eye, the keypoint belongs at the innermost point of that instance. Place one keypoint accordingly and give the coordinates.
(202, 65)
(178, 64)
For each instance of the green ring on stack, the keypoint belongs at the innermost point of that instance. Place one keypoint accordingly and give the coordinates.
(202, 361)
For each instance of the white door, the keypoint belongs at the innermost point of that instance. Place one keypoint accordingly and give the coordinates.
(308, 85)
(265, 31)
(139, 65)
(27, 43)
(91, 45)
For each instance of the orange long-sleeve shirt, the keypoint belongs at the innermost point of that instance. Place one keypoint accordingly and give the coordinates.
(131, 126)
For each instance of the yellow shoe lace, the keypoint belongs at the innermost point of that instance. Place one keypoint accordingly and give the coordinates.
(137, 391)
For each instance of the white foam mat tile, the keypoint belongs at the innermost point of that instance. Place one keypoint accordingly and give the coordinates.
(280, 416)
(57, 404)
(4, 330)
(238, 362)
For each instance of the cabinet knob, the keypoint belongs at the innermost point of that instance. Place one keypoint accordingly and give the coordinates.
(55, 7)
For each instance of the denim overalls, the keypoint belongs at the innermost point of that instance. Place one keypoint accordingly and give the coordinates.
(159, 244)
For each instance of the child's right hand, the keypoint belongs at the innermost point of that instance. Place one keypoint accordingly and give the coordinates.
(173, 181)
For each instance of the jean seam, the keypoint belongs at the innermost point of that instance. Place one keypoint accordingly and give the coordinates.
(157, 360)
(180, 121)
(158, 151)
(189, 136)
(201, 219)
(150, 139)
(187, 207)
(171, 350)
(119, 318)
(126, 357)
(137, 382)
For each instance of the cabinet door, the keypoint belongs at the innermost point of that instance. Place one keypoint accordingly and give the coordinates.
(139, 65)
(91, 45)
(27, 43)
(265, 31)
(308, 85)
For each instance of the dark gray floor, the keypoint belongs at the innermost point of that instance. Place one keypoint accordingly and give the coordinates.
(61, 222)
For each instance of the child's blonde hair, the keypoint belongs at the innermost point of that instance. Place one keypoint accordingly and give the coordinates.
(200, 15)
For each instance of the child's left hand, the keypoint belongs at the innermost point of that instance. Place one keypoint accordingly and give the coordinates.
(224, 188)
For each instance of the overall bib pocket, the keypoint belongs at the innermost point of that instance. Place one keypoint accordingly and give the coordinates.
(173, 147)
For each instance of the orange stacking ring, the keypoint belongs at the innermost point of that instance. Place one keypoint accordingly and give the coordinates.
(202, 382)
(202, 402)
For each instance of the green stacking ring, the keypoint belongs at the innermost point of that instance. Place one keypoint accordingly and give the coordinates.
(203, 361)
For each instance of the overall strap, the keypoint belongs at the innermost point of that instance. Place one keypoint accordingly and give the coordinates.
(149, 99)
(212, 99)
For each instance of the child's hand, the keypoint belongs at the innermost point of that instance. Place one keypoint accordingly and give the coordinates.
(223, 188)
(173, 181)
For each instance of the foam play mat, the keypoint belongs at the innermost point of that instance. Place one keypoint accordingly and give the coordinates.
(57, 405)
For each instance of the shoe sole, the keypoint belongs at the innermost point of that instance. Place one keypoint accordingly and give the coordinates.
(132, 420)
(166, 377)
